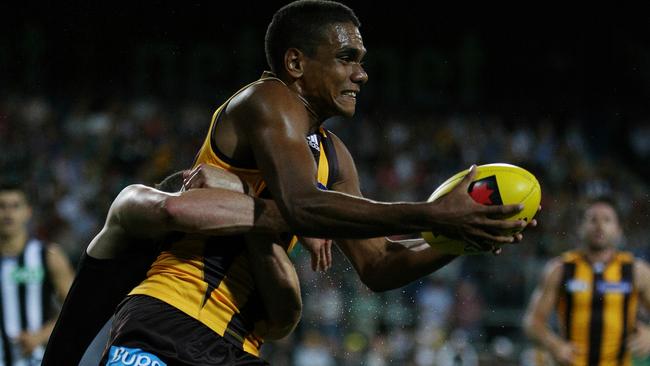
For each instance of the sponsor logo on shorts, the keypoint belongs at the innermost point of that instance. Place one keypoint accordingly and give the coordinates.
(123, 356)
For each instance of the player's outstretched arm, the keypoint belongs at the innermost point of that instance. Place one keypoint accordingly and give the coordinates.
(273, 123)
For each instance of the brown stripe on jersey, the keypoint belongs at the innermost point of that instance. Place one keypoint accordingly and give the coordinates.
(218, 255)
(569, 270)
(22, 288)
(332, 160)
(596, 321)
(627, 276)
(243, 323)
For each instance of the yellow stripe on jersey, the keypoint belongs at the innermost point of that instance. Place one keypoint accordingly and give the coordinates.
(581, 308)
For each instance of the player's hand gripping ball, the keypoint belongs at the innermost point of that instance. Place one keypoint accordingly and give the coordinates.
(494, 184)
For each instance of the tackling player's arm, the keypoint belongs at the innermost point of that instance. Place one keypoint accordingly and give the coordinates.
(639, 340)
(144, 212)
(539, 310)
(273, 123)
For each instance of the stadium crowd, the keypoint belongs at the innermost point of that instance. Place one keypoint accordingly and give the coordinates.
(75, 155)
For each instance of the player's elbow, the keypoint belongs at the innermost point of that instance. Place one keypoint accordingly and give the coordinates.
(283, 323)
(374, 282)
(171, 212)
(530, 325)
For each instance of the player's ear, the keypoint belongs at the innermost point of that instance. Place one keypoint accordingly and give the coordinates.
(293, 62)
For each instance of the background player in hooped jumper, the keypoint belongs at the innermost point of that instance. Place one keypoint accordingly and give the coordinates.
(595, 290)
(140, 219)
(33, 276)
(270, 134)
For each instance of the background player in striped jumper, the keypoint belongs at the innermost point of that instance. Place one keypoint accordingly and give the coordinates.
(595, 290)
(33, 276)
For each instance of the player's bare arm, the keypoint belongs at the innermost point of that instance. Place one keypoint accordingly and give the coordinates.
(144, 212)
(639, 340)
(277, 283)
(277, 138)
(536, 319)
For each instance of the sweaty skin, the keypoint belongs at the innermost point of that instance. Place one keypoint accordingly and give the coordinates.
(266, 125)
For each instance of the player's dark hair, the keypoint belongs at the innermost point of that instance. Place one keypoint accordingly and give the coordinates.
(11, 185)
(14, 185)
(300, 25)
(601, 199)
(171, 183)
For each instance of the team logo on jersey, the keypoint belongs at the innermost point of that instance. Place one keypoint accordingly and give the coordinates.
(312, 140)
(486, 191)
(28, 274)
(614, 287)
(577, 286)
(124, 356)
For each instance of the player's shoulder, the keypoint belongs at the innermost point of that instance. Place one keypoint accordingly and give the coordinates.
(554, 268)
(266, 97)
(642, 267)
(129, 191)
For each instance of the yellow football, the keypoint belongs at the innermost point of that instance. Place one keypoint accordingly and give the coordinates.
(494, 184)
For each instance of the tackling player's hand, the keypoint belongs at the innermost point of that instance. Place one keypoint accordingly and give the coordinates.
(208, 176)
(321, 252)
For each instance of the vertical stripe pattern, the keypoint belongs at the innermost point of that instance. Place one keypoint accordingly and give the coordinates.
(24, 295)
(568, 273)
(597, 306)
(596, 321)
(628, 316)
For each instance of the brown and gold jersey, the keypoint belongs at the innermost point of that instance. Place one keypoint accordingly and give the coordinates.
(597, 307)
(209, 278)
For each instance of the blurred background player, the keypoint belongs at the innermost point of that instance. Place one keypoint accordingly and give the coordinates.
(33, 276)
(594, 290)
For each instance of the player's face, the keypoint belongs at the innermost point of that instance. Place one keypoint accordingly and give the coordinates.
(14, 212)
(334, 75)
(600, 228)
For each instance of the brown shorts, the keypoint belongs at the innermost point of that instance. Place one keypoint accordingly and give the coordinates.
(147, 331)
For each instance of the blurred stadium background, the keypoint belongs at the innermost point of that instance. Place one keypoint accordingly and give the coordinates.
(97, 96)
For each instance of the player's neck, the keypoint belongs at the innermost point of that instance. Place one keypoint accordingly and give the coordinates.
(603, 255)
(11, 245)
(315, 119)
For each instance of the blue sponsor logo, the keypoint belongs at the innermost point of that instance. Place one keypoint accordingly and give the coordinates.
(577, 286)
(614, 287)
(123, 356)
